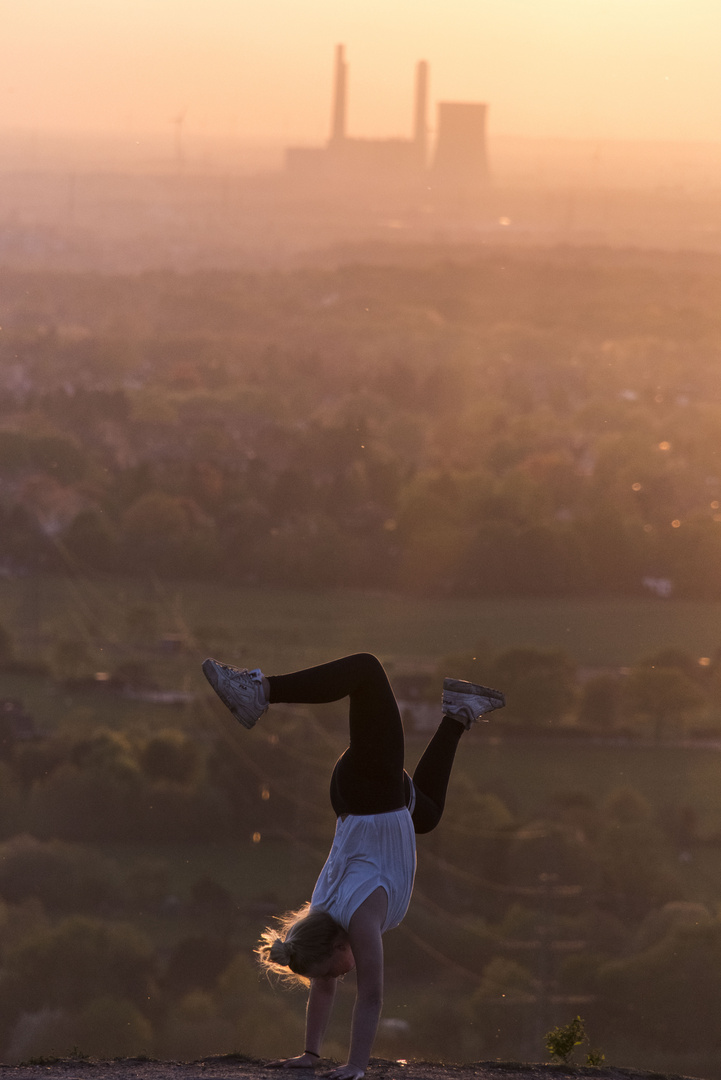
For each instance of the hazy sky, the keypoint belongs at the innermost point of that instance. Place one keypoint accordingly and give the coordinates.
(261, 69)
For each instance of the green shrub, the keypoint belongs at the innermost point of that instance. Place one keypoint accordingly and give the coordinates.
(562, 1041)
(75, 962)
(64, 877)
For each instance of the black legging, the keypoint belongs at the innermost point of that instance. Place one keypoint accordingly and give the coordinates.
(369, 777)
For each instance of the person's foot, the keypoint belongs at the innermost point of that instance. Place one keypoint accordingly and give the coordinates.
(241, 690)
(468, 702)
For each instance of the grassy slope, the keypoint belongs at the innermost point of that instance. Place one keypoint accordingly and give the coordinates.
(278, 627)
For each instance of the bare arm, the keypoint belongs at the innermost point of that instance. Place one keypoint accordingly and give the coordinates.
(317, 1015)
(367, 945)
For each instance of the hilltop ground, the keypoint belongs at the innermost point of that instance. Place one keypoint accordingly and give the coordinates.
(231, 1067)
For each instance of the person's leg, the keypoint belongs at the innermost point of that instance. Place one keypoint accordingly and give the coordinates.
(463, 704)
(368, 778)
(432, 774)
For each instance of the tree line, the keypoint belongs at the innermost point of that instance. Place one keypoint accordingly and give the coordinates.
(511, 424)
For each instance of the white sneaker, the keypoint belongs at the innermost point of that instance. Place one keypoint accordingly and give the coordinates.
(468, 702)
(241, 690)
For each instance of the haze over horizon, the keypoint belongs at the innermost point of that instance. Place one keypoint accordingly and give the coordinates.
(598, 69)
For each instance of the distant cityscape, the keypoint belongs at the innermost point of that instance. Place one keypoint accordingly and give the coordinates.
(188, 203)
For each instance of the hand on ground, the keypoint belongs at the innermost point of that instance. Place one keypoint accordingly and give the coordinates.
(303, 1061)
(346, 1072)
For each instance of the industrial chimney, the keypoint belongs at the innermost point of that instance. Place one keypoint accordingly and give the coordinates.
(340, 97)
(420, 113)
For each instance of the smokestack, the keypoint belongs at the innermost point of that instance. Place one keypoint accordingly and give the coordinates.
(340, 95)
(420, 112)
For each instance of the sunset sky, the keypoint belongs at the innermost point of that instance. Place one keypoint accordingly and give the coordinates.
(261, 69)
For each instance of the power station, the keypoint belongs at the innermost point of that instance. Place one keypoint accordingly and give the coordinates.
(455, 165)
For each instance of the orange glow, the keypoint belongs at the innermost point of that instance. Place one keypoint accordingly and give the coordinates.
(601, 69)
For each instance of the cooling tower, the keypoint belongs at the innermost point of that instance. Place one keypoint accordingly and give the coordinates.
(460, 160)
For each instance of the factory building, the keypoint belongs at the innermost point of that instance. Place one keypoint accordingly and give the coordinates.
(455, 166)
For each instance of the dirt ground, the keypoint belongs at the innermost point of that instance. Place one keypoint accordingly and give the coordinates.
(240, 1068)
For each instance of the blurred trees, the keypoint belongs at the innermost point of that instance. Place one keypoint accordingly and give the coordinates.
(600, 702)
(508, 446)
(576, 896)
(665, 994)
(167, 534)
(64, 877)
(666, 696)
(633, 859)
(76, 961)
(539, 684)
(7, 647)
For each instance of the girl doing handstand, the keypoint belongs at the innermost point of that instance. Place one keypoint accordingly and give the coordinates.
(365, 886)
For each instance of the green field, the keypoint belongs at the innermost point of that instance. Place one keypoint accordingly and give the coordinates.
(279, 628)
(282, 629)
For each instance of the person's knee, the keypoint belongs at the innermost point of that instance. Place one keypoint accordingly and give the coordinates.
(369, 664)
(420, 828)
(425, 818)
(367, 658)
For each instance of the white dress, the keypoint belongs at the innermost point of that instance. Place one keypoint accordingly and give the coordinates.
(369, 850)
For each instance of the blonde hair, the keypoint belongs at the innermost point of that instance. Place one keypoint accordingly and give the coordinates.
(302, 939)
